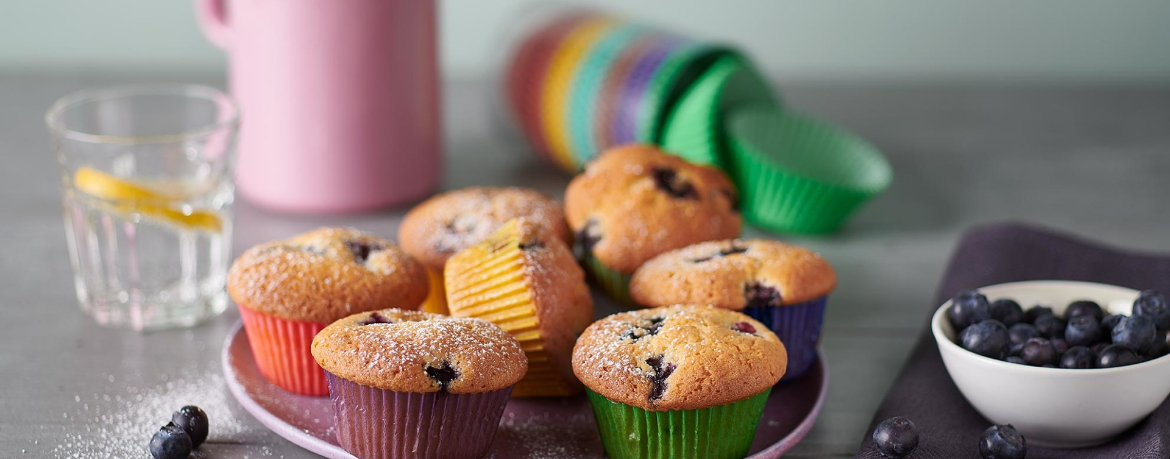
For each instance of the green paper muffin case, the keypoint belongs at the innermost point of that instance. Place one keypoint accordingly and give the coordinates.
(721, 432)
(693, 130)
(613, 283)
(677, 73)
(799, 174)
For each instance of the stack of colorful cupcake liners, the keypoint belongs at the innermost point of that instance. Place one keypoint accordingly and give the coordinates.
(579, 82)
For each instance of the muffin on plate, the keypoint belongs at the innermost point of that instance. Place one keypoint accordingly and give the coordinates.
(635, 202)
(443, 225)
(783, 286)
(524, 278)
(410, 384)
(288, 290)
(662, 381)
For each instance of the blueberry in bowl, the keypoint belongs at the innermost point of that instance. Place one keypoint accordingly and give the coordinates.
(1052, 358)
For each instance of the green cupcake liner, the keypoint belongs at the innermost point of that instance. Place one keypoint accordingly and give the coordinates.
(799, 174)
(670, 80)
(721, 432)
(613, 283)
(693, 130)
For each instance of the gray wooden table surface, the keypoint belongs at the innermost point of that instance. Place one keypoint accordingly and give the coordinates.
(1092, 160)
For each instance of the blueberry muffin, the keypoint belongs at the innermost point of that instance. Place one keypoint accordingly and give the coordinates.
(783, 286)
(420, 370)
(660, 380)
(635, 202)
(524, 278)
(439, 227)
(289, 290)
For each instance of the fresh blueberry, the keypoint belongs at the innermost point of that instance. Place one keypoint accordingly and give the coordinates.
(1008, 312)
(1038, 352)
(968, 307)
(1097, 348)
(1050, 326)
(1109, 322)
(193, 421)
(1159, 349)
(896, 437)
(1116, 355)
(1022, 332)
(1016, 349)
(1083, 330)
(1016, 360)
(1002, 442)
(1060, 345)
(1036, 312)
(1078, 357)
(988, 338)
(1135, 332)
(170, 442)
(1155, 305)
(1083, 307)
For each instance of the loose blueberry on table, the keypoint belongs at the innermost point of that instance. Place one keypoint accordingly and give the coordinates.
(895, 437)
(170, 442)
(193, 421)
(1002, 442)
(1084, 337)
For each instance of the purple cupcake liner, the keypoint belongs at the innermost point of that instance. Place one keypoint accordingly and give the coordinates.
(799, 327)
(374, 423)
(625, 123)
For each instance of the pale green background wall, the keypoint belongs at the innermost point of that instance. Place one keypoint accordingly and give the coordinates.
(919, 40)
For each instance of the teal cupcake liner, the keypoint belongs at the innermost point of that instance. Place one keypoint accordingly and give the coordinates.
(799, 174)
(721, 432)
(613, 283)
(693, 130)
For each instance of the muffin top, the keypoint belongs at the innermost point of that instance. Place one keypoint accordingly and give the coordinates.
(524, 262)
(447, 223)
(326, 274)
(634, 202)
(678, 357)
(733, 274)
(411, 351)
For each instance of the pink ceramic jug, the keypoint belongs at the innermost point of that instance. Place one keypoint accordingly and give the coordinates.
(339, 98)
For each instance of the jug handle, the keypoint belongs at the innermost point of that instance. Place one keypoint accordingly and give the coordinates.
(213, 20)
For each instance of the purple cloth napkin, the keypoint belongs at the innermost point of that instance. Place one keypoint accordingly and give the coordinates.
(949, 427)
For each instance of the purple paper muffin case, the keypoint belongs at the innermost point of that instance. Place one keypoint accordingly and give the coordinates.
(625, 128)
(374, 423)
(799, 327)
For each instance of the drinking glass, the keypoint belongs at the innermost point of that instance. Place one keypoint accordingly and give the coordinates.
(147, 185)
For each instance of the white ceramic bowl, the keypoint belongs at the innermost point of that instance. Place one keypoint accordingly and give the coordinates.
(1055, 407)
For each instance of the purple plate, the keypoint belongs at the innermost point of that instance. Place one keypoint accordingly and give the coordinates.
(530, 428)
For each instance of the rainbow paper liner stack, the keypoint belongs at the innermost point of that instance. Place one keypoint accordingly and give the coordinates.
(583, 82)
(694, 128)
(721, 432)
(494, 288)
(798, 174)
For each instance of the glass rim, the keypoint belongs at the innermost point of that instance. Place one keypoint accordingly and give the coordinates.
(56, 125)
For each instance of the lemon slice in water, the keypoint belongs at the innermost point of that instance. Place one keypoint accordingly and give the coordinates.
(128, 197)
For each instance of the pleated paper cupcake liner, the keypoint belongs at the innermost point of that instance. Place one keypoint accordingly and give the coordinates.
(609, 100)
(494, 289)
(557, 82)
(625, 124)
(282, 349)
(799, 327)
(678, 72)
(694, 129)
(586, 88)
(798, 174)
(613, 283)
(721, 432)
(436, 301)
(374, 423)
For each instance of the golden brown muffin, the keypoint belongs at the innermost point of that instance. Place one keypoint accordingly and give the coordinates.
(635, 202)
(525, 279)
(678, 358)
(733, 274)
(326, 274)
(411, 351)
(439, 227)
